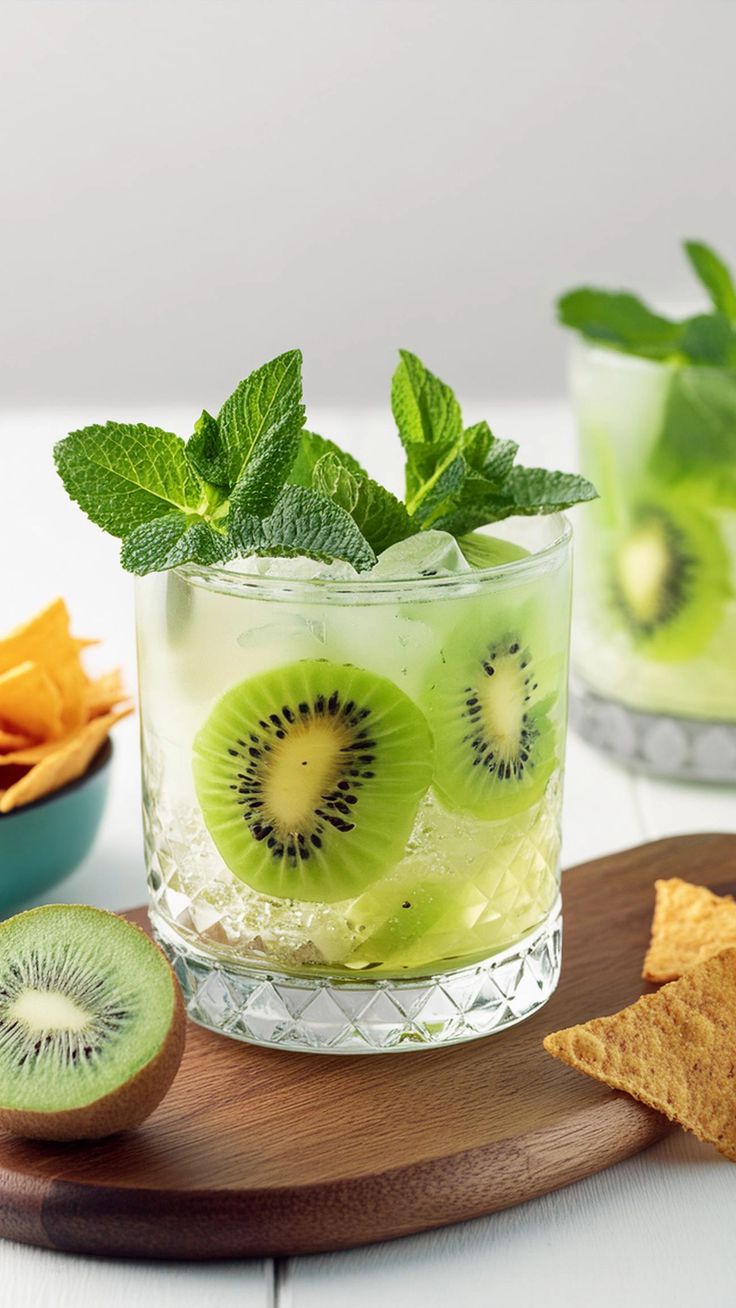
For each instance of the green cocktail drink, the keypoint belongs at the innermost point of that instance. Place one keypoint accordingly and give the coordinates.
(353, 721)
(655, 633)
(424, 719)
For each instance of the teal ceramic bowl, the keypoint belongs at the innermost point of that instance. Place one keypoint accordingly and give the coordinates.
(44, 842)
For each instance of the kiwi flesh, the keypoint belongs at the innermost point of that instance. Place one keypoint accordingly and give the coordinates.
(495, 738)
(309, 777)
(669, 578)
(482, 551)
(91, 1024)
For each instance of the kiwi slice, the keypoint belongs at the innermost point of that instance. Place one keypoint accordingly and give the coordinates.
(482, 551)
(91, 1024)
(309, 778)
(669, 578)
(495, 741)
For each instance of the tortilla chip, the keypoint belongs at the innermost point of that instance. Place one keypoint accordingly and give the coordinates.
(673, 1050)
(103, 694)
(69, 759)
(33, 754)
(690, 925)
(45, 640)
(30, 701)
(10, 740)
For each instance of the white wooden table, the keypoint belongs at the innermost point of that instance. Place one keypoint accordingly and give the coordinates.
(656, 1229)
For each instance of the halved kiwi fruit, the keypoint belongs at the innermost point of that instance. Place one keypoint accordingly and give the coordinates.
(669, 579)
(91, 1024)
(309, 778)
(495, 741)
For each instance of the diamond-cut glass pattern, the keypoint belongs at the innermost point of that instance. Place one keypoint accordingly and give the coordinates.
(688, 748)
(332, 1015)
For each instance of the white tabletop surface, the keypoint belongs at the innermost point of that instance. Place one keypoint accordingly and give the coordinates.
(657, 1229)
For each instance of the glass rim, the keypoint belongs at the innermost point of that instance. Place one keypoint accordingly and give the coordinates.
(221, 579)
(610, 354)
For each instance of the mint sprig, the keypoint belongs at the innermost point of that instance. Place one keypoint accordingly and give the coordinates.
(459, 479)
(252, 481)
(621, 321)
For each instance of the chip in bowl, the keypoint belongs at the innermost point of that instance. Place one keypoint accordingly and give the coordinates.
(54, 718)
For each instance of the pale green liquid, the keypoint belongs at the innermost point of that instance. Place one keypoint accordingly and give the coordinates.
(463, 888)
(621, 410)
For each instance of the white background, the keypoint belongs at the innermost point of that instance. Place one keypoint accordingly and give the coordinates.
(192, 186)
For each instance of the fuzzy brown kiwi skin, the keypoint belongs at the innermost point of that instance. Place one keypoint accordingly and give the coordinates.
(121, 1109)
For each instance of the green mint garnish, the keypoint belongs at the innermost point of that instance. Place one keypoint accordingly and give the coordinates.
(623, 322)
(205, 451)
(123, 475)
(252, 481)
(715, 276)
(698, 437)
(311, 449)
(172, 540)
(260, 427)
(302, 522)
(381, 518)
(459, 479)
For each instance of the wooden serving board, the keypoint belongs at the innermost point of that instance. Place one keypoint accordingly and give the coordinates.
(263, 1152)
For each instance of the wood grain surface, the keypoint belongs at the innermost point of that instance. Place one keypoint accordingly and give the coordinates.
(262, 1152)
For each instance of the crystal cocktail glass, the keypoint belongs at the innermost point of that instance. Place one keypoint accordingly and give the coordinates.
(655, 632)
(403, 890)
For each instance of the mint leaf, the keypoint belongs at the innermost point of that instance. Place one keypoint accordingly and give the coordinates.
(426, 413)
(205, 452)
(260, 426)
(311, 449)
(485, 453)
(537, 490)
(381, 518)
(715, 276)
(708, 338)
(619, 319)
(699, 430)
(171, 540)
(124, 474)
(302, 522)
(525, 492)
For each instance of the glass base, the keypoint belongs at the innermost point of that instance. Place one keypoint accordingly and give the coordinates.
(336, 1015)
(687, 749)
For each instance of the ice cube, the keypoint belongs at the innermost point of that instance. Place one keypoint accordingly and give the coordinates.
(428, 554)
(299, 568)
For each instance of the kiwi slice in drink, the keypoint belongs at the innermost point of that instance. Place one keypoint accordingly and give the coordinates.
(91, 1024)
(490, 714)
(309, 777)
(669, 579)
(482, 551)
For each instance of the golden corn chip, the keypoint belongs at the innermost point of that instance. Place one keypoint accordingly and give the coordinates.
(690, 924)
(10, 740)
(32, 754)
(66, 760)
(30, 701)
(103, 694)
(673, 1050)
(36, 638)
(45, 639)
